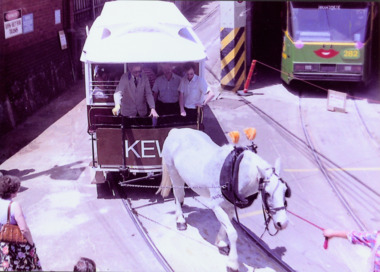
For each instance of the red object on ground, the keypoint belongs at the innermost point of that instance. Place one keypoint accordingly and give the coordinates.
(326, 243)
(248, 81)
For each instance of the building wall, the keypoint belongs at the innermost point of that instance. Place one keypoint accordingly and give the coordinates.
(34, 68)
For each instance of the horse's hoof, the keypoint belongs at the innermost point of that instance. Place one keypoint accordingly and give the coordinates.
(181, 226)
(229, 269)
(224, 250)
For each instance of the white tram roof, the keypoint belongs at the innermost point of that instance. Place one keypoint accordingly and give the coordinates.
(141, 31)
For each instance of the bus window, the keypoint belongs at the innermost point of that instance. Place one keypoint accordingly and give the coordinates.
(328, 41)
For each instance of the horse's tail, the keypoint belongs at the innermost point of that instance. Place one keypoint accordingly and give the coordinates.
(166, 182)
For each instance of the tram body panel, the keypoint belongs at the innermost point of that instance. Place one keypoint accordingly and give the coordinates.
(143, 148)
(128, 32)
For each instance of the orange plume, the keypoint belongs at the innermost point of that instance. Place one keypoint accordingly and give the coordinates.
(250, 133)
(235, 136)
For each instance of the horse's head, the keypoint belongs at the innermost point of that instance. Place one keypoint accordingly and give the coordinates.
(274, 192)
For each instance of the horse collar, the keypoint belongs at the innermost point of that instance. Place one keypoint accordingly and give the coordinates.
(229, 179)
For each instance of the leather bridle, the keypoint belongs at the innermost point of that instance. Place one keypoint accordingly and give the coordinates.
(268, 212)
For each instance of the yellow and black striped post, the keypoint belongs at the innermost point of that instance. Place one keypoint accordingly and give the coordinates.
(233, 45)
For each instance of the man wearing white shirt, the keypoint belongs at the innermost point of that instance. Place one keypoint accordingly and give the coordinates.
(193, 92)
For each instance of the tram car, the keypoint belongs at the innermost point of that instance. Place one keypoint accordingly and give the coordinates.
(125, 33)
(329, 41)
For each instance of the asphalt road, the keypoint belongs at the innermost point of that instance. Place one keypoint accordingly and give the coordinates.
(52, 147)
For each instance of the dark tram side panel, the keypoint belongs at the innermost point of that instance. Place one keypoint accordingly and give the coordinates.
(143, 146)
(109, 146)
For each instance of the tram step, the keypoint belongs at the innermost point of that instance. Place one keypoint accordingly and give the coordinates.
(98, 178)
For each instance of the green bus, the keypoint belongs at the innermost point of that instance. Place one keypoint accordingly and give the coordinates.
(329, 41)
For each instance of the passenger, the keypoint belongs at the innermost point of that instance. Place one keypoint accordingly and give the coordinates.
(193, 90)
(101, 79)
(150, 72)
(85, 265)
(369, 239)
(133, 93)
(15, 256)
(165, 91)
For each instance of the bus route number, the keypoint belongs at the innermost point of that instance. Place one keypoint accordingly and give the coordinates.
(351, 54)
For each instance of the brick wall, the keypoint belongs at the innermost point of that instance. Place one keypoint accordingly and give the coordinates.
(33, 67)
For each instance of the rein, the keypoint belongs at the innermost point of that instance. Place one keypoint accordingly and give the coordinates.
(326, 243)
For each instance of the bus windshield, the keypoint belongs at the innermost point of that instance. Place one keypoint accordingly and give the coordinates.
(338, 22)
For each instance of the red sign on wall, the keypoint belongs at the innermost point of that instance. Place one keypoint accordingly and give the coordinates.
(12, 23)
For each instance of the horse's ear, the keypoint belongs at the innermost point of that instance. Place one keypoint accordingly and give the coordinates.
(277, 166)
(261, 172)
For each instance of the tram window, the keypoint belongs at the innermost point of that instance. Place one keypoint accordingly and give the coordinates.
(105, 78)
(343, 22)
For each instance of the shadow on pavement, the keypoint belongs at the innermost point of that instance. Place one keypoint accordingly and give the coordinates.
(30, 129)
(208, 226)
(64, 172)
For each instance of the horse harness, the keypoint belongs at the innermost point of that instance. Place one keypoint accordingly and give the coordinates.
(229, 178)
(229, 183)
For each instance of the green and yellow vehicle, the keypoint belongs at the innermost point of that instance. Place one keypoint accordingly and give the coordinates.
(329, 41)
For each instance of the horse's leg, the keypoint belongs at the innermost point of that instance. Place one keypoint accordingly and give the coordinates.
(224, 219)
(221, 238)
(221, 241)
(179, 194)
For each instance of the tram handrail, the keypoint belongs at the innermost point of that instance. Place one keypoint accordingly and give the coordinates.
(141, 122)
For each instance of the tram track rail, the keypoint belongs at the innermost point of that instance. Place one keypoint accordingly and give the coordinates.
(260, 243)
(361, 118)
(140, 227)
(324, 170)
(135, 216)
(318, 157)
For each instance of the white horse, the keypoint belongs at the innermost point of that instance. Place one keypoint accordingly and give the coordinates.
(190, 156)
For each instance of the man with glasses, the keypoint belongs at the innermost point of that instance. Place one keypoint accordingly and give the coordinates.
(133, 94)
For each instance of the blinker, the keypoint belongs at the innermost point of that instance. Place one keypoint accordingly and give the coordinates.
(288, 192)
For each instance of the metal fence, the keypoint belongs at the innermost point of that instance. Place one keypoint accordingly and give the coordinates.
(87, 10)
(184, 5)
